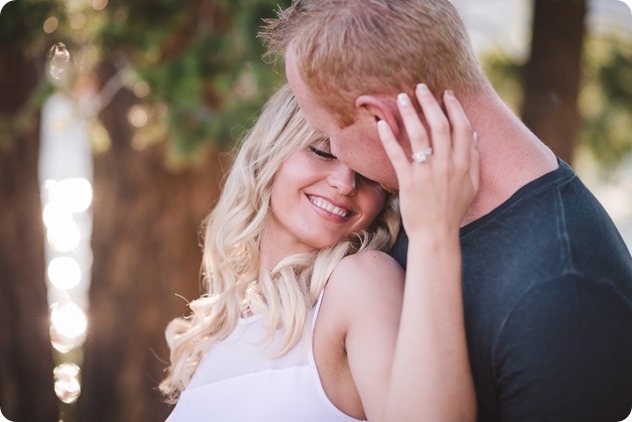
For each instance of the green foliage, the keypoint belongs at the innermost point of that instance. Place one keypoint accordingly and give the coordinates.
(605, 99)
(199, 58)
(505, 75)
(23, 42)
(22, 21)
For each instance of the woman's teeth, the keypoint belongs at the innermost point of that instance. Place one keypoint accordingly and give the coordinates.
(321, 203)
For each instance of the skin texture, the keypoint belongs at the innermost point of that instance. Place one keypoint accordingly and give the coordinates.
(504, 166)
(357, 145)
(415, 333)
(297, 224)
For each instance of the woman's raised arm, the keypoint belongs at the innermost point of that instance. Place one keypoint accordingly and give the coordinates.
(431, 378)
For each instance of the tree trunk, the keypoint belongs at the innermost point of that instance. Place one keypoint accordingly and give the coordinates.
(552, 75)
(146, 250)
(26, 355)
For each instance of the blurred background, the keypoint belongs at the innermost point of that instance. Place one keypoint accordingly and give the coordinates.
(116, 119)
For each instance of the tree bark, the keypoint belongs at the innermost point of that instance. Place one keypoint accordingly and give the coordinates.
(26, 355)
(552, 75)
(146, 250)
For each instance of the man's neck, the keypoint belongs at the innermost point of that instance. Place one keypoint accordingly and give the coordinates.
(511, 156)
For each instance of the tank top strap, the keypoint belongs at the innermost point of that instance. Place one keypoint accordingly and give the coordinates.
(317, 308)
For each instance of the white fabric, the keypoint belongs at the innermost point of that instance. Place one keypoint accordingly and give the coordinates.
(236, 381)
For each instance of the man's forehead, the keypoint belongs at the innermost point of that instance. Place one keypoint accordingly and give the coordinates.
(315, 114)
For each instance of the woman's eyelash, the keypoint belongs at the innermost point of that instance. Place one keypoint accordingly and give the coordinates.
(321, 153)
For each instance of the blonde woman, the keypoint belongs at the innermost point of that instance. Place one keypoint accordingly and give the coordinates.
(304, 317)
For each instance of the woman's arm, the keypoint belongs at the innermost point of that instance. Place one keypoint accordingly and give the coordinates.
(422, 373)
(431, 377)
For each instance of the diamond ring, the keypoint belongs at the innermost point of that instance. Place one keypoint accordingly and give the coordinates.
(421, 156)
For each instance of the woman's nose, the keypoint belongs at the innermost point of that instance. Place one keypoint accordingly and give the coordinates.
(343, 179)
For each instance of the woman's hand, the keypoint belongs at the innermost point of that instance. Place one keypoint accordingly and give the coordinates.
(439, 181)
(437, 184)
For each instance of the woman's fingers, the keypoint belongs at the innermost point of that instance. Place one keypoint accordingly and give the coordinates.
(446, 132)
(474, 162)
(437, 122)
(393, 150)
(451, 136)
(461, 131)
(464, 151)
(419, 141)
(436, 187)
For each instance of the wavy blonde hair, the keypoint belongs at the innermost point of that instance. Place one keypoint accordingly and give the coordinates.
(286, 293)
(346, 48)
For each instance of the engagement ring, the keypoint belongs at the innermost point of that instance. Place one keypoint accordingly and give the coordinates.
(421, 156)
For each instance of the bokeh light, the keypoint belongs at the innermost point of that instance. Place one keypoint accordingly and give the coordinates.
(59, 61)
(67, 386)
(69, 320)
(50, 25)
(76, 193)
(78, 21)
(64, 272)
(64, 344)
(137, 116)
(99, 4)
(63, 199)
(56, 214)
(141, 89)
(64, 237)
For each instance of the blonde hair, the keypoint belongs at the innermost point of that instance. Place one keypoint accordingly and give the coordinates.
(285, 293)
(346, 48)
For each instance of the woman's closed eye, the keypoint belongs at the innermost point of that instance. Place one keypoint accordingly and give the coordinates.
(322, 153)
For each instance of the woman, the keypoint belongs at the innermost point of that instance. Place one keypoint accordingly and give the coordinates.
(301, 320)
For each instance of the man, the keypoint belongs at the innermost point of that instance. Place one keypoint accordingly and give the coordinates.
(547, 279)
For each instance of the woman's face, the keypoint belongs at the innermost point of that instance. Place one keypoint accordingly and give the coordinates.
(317, 201)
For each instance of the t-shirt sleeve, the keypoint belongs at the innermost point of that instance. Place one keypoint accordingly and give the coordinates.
(564, 353)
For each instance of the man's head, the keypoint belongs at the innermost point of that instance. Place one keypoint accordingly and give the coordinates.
(347, 59)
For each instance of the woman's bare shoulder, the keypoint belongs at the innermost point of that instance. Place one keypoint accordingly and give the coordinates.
(369, 280)
(368, 266)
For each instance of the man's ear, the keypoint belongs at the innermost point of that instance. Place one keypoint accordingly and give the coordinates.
(378, 108)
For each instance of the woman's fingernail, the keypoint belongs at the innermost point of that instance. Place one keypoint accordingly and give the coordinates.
(403, 99)
(475, 137)
(381, 125)
(448, 94)
(423, 88)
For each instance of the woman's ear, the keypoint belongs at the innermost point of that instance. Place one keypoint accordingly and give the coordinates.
(378, 108)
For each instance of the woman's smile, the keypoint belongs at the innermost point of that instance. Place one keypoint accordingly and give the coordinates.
(325, 205)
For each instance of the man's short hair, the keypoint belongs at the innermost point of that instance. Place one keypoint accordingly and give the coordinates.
(346, 48)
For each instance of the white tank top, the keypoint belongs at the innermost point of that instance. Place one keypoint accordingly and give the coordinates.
(237, 381)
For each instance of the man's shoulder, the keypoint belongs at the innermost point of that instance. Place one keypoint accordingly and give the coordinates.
(568, 336)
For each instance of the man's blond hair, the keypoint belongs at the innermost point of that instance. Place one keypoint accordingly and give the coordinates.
(346, 48)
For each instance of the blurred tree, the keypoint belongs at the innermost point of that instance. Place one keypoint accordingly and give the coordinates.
(192, 79)
(606, 100)
(26, 356)
(603, 103)
(145, 246)
(552, 75)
